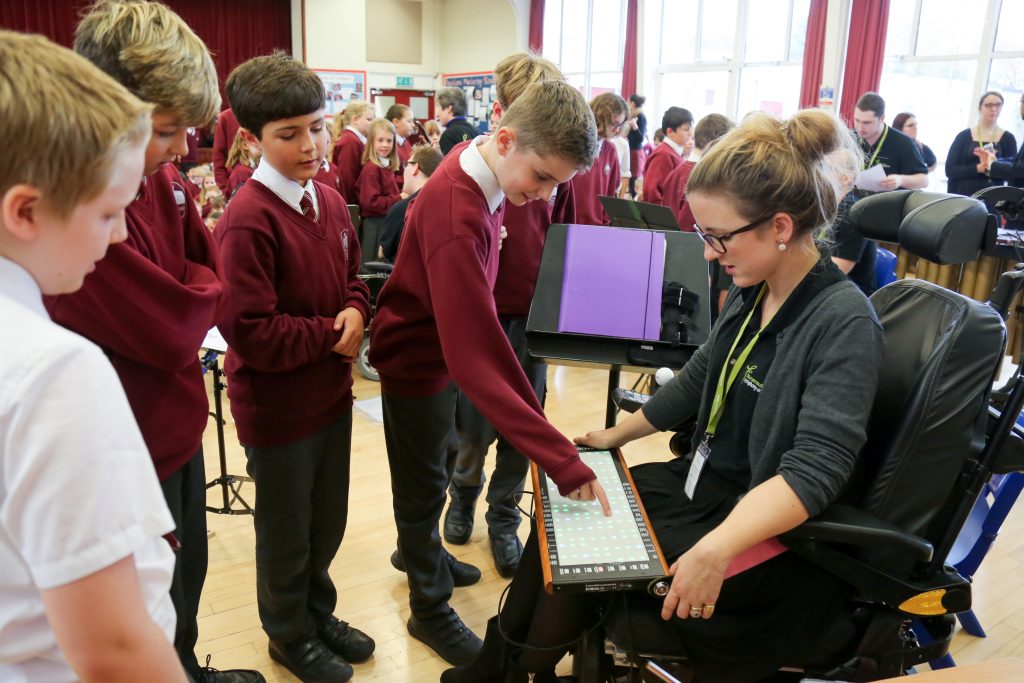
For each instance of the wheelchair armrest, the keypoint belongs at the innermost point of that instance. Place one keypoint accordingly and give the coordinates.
(852, 526)
(378, 267)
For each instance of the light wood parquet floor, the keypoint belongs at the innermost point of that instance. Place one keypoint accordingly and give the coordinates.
(374, 597)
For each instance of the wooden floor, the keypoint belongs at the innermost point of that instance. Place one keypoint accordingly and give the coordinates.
(374, 597)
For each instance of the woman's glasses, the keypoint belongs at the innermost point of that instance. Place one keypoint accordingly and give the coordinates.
(717, 242)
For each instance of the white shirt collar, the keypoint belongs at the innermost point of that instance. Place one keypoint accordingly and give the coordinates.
(19, 286)
(287, 189)
(476, 168)
(362, 138)
(400, 140)
(671, 143)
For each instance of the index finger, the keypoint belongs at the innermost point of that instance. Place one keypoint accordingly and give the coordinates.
(602, 498)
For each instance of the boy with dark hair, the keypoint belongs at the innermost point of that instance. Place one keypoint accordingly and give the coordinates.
(450, 109)
(677, 124)
(291, 260)
(709, 129)
(86, 571)
(153, 298)
(436, 326)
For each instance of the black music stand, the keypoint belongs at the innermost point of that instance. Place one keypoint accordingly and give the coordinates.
(626, 213)
(684, 263)
(230, 483)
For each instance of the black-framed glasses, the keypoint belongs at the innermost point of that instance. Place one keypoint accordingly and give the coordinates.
(717, 242)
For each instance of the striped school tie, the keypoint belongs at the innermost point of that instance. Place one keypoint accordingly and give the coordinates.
(306, 204)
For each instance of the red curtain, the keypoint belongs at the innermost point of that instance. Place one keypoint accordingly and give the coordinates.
(629, 53)
(814, 54)
(536, 38)
(865, 49)
(234, 30)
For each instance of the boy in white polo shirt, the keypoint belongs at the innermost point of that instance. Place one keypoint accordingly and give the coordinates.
(85, 570)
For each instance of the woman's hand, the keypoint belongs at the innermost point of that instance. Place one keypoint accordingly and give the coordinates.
(697, 580)
(602, 439)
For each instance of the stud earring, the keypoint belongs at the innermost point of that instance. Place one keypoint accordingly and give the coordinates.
(782, 246)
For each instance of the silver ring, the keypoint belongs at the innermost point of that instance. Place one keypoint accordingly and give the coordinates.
(696, 612)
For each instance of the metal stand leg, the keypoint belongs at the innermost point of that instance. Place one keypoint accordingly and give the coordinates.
(610, 408)
(230, 483)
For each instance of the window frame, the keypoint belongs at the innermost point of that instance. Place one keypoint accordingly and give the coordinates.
(555, 55)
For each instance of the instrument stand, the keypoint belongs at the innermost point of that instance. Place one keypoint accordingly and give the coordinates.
(230, 483)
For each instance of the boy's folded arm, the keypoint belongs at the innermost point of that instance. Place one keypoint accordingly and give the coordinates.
(266, 339)
(482, 363)
(135, 309)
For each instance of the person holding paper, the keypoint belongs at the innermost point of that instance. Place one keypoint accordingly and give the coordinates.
(895, 153)
(778, 425)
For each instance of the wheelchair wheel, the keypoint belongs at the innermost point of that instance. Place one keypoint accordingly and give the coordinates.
(363, 362)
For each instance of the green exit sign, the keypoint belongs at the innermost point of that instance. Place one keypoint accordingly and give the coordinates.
(403, 81)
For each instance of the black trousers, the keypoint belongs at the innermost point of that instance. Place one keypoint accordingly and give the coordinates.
(185, 494)
(418, 432)
(301, 511)
(475, 436)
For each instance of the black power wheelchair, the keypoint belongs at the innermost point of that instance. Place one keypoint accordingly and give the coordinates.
(935, 438)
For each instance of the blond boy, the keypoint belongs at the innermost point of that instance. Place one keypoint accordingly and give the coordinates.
(152, 300)
(85, 570)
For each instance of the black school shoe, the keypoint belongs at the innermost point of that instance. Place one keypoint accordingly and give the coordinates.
(506, 549)
(463, 573)
(311, 661)
(451, 639)
(458, 521)
(210, 675)
(352, 644)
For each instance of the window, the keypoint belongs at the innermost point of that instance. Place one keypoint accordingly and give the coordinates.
(727, 56)
(586, 38)
(941, 55)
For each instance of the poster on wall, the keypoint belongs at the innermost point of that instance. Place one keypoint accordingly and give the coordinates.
(480, 95)
(342, 86)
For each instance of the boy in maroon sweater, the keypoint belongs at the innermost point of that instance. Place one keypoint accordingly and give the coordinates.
(153, 298)
(527, 226)
(291, 260)
(677, 123)
(436, 323)
(603, 179)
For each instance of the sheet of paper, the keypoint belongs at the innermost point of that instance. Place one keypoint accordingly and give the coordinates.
(871, 178)
(214, 341)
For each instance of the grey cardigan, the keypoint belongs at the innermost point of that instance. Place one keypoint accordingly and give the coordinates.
(809, 424)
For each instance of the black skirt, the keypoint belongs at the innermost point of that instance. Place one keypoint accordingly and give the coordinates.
(766, 617)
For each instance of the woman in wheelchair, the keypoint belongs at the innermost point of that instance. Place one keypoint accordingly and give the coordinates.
(781, 391)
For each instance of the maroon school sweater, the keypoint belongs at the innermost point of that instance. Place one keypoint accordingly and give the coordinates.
(601, 179)
(519, 261)
(348, 158)
(436, 321)
(223, 138)
(288, 278)
(675, 195)
(149, 305)
(377, 189)
(404, 150)
(239, 175)
(661, 162)
(329, 176)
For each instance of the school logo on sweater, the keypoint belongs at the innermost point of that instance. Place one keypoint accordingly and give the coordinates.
(180, 197)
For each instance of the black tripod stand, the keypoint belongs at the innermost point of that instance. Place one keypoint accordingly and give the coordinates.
(229, 483)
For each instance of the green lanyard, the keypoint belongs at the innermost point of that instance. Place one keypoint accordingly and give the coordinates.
(728, 377)
(878, 148)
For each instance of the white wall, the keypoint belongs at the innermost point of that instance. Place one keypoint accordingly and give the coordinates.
(458, 35)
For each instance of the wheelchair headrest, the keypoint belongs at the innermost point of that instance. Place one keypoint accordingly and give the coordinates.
(943, 228)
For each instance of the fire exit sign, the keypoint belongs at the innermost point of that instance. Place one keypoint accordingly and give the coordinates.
(403, 81)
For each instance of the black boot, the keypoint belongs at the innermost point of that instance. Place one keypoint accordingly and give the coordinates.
(494, 663)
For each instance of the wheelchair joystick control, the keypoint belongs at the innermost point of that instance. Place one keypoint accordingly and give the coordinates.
(659, 588)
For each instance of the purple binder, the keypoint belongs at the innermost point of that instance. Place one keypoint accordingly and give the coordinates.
(612, 282)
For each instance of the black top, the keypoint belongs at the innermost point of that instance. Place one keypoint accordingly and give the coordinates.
(727, 472)
(852, 246)
(961, 164)
(928, 155)
(637, 136)
(391, 231)
(458, 130)
(1009, 169)
(898, 153)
